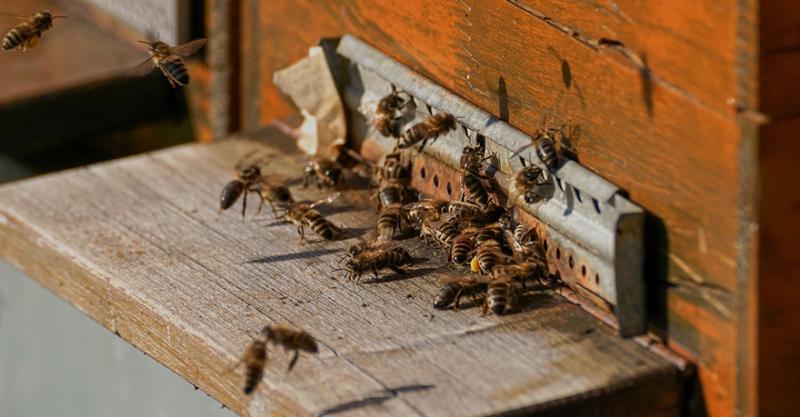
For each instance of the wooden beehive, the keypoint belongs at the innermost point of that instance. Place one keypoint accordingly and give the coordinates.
(689, 106)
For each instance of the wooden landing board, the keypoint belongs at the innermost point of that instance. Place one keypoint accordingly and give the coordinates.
(138, 245)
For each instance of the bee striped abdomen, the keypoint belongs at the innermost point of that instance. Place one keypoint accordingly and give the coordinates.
(320, 225)
(446, 234)
(175, 66)
(17, 36)
(474, 189)
(413, 135)
(255, 358)
(232, 191)
(462, 246)
(488, 256)
(498, 296)
(546, 151)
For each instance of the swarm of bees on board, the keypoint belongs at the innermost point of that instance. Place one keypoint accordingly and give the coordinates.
(494, 257)
(168, 59)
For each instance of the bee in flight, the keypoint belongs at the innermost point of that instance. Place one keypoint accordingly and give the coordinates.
(387, 121)
(291, 339)
(26, 35)
(254, 360)
(169, 60)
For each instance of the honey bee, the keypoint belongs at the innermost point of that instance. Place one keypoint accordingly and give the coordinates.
(525, 183)
(254, 360)
(426, 210)
(303, 215)
(247, 180)
(323, 172)
(391, 193)
(501, 296)
(386, 120)
(462, 247)
(376, 258)
(522, 272)
(28, 33)
(428, 129)
(442, 232)
(488, 254)
(524, 243)
(393, 170)
(547, 152)
(393, 222)
(275, 195)
(169, 60)
(291, 339)
(473, 188)
(453, 288)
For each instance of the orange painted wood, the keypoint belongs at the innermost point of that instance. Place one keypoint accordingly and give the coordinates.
(681, 40)
(672, 151)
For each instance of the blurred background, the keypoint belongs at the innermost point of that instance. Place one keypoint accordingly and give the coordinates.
(66, 103)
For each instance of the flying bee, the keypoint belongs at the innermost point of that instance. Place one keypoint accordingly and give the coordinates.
(169, 60)
(393, 222)
(247, 181)
(387, 121)
(254, 360)
(428, 129)
(501, 296)
(323, 172)
(303, 215)
(376, 258)
(473, 188)
(276, 195)
(28, 33)
(453, 288)
(291, 339)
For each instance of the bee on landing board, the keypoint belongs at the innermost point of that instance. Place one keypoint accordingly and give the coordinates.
(501, 296)
(291, 339)
(428, 129)
(278, 196)
(303, 215)
(325, 173)
(26, 35)
(453, 288)
(393, 222)
(473, 188)
(248, 179)
(374, 258)
(169, 60)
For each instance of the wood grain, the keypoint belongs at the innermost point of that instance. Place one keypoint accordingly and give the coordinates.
(142, 249)
(674, 153)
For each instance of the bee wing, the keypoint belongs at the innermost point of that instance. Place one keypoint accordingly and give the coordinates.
(189, 48)
(458, 279)
(327, 200)
(142, 69)
(515, 245)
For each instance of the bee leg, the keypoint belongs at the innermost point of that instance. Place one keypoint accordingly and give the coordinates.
(457, 300)
(398, 270)
(301, 232)
(306, 180)
(293, 361)
(261, 205)
(485, 307)
(244, 203)
(422, 145)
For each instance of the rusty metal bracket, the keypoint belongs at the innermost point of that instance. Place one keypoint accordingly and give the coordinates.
(593, 234)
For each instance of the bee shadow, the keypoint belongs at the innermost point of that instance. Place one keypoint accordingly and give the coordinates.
(394, 276)
(292, 256)
(373, 399)
(534, 298)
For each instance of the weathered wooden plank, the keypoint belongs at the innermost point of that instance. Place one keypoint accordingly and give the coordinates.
(142, 249)
(676, 155)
